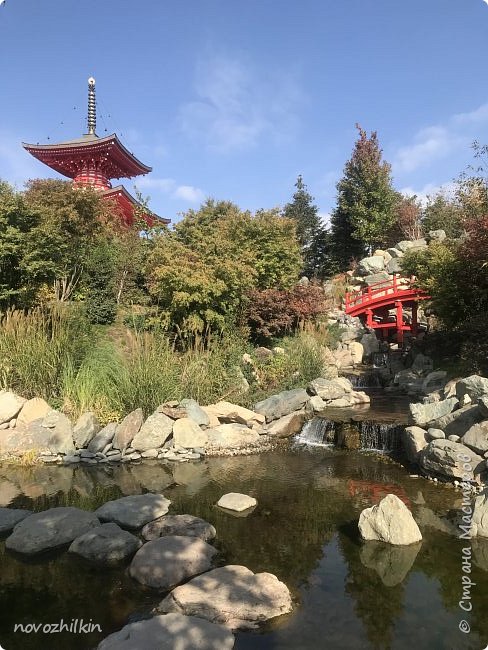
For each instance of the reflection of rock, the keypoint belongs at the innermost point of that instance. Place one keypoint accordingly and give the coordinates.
(193, 475)
(426, 518)
(170, 631)
(479, 522)
(151, 476)
(391, 563)
(8, 492)
(480, 553)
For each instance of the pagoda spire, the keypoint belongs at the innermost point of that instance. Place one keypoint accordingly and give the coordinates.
(92, 110)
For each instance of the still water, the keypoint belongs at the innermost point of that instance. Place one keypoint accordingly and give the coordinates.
(348, 595)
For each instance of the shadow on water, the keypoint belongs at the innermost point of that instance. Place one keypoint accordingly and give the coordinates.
(304, 530)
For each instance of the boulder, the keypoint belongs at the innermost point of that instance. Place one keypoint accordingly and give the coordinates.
(451, 459)
(404, 245)
(237, 502)
(357, 350)
(51, 435)
(395, 252)
(394, 265)
(134, 511)
(288, 425)
(127, 429)
(479, 521)
(390, 521)
(187, 434)
(370, 344)
(476, 438)
(103, 438)
(195, 412)
(170, 632)
(483, 406)
(106, 544)
(86, 427)
(414, 440)
(317, 404)
(10, 517)
(424, 413)
(327, 389)
(434, 381)
(228, 413)
(373, 264)
(154, 432)
(50, 529)
(167, 561)
(391, 563)
(437, 235)
(376, 278)
(460, 421)
(422, 363)
(231, 436)
(435, 434)
(348, 436)
(240, 598)
(474, 386)
(282, 404)
(34, 409)
(10, 405)
(184, 525)
(343, 358)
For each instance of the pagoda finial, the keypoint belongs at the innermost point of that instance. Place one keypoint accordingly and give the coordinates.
(92, 111)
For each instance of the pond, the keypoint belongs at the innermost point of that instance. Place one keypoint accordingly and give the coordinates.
(347, 594)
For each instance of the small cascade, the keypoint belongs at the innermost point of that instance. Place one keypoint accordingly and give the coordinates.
(364, 380)
(317, 431)
(380, 436)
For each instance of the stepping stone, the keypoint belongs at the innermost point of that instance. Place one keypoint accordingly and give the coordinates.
(168, 561)
(236, 501)
(185, 525)
(106, 544)
(134, 511)
(170, 632)
(232, 595)
(50, 529)
(10, 517)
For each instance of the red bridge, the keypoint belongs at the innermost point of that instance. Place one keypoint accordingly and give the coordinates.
(373, 304)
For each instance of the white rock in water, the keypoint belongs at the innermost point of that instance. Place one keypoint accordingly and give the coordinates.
(236, 501)
(390, 521)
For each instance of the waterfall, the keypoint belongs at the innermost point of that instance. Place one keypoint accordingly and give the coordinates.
(364, 380)
(380, 436)
(317, 431)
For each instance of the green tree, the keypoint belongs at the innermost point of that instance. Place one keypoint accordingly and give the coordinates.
(443, 213)
(100, 283)
(366, 201)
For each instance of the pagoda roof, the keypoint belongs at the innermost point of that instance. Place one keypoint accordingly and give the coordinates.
(128, 203)
(64, 157)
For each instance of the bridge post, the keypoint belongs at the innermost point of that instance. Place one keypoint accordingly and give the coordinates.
(369, 318)
(399, 321)
(415, 321)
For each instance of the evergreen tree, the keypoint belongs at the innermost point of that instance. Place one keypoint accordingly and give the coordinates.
(366, 202)
(101, 301)
(311, 234)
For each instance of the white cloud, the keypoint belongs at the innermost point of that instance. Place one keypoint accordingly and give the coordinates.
(429, 190)
(187, 193)
(236, 105)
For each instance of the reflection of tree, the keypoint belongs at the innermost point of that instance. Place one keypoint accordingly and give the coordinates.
(377, 606)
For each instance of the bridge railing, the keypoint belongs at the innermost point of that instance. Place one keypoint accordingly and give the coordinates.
(377, 290)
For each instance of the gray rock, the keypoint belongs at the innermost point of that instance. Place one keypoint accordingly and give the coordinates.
(103, 438)
(317, 404)
(434, 381)
(236, 501)
(454, 438)
(170, 632)
(195, 412)
(375, 278)
(435, 434)
(50, 529)
(150, 453)
(404, 245)
(424, 413)
(328, 389)
(476, 438)
(370, 344)
(451, 459)
(282, 404)
(390, 521)
(183, 525)
(187, 434)
(166, 562)
(395, 252)
(460, 421)
(114, 458)
(422, 363)
(474, 386)
(288, 425)
(391, 563)
(231, 436)
(10, 405)
(394, 265)
(483, 406)
(10, 517)
(373, 264)
(134, 511)
(106, 544)
(127, 429)
(51, 435)
(414, 440)
(153, 433)
(479, 521)
(86, 427)
(240, 598)
(437, 235)
(34, 409)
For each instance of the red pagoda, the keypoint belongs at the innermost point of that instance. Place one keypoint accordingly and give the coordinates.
(94, 161)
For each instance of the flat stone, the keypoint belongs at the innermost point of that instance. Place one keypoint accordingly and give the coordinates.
(134, 511)
(107, 544)
(327, 389)
(86, 427)
(195, 412)
(167, 561)
(317, 404)
(154, 432)
(50, 529)
(236, 501)
(10, 405)
(114, 458)
(170, 632)
(390, 521)
(10, 517)
(102, 438)
(150, 453)
(185, 525)
(127, 429)
(239, 597)
(187, 434)
(228, 413)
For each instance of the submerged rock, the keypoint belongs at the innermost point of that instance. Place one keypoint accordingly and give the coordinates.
(50, 529)
(185, 525)
(239, 597)
(134, 511)
(10, 517)
(170, 632)
(106, 544)
(166, 562)
(390, 521)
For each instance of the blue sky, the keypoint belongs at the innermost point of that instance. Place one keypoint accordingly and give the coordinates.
(234, 99)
